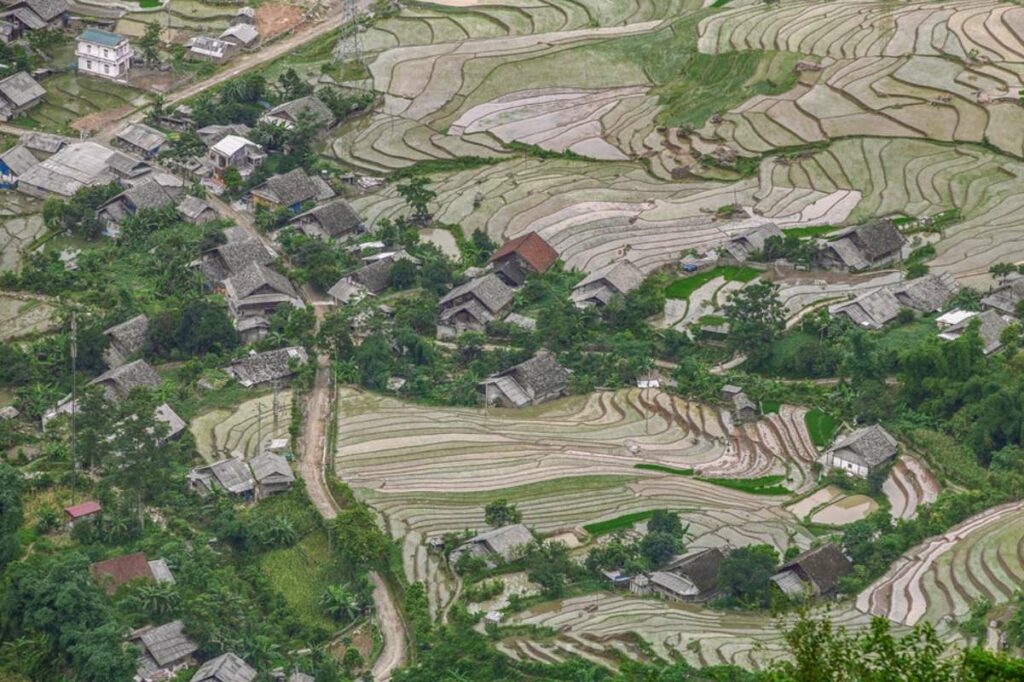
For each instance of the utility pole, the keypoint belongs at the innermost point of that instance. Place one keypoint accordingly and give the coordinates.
(259, 428)
(74, 405)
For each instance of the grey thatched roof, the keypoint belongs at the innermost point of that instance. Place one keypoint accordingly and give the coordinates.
(175, 424)
(872, 310)
(822, 566)
(540, 375)
(619, 277)
(505, 540)
(271, 465)
(21, 89)
(869, 446)
(1006, 297)
(255, 277)
(142, 136)
(863, 245)
(47, 143)
(929, 293)
(131, 335)
(742, 246)
(489, 290)
(335, 219)
(345, 290)
(260, 368)
(700, 567)
(47, 10)
(375, 276)
(19, 159)
(73, 167)
(243, 34)
(167, 643)
(236, 256)
(225, 668)
(990, 328)
(231, 474)
(193, 208)
(297, 107)
(120, 381)
(212, 134)
(148, 194)
(288, 189)
(675, 583)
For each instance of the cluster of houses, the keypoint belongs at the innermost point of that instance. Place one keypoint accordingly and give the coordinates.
(19, 17)
(241, 35)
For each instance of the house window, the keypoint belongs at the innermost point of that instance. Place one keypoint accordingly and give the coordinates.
(106, 68)
(88, 64)
(106, 53)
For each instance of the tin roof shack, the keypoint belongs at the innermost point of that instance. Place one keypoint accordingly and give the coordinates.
(19, 93)
(539, 379)
(503, 543)
(517, 258)
(225, 668)
(471, 306)
(866, 246)
(163, 651)
(272, 365)
(141, 139)
(207, 49)
(272, 473)
(230, 475)
(605, 283)
(13, 163)
(254, 294)
(290, 190)
(77, 513)
(862, 451)
(289, 113)
(815, 572)
(112, 573)
(990, 325)
(146, 195)
(195, 210)
(82, 164)
(335, 220)
(750, 243)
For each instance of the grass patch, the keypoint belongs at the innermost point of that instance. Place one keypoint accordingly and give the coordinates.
(905, 336)
(664, 469)
(149, 4)
(812, 231)
(821, 427)
(770, 406)
(618, 523)
(684, 286)
(301, 574)
(765, 485)
(541, 153)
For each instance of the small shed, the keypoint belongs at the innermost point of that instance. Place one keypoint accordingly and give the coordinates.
(272, 473)
(164, 650)
(862, 451)
(79, 512)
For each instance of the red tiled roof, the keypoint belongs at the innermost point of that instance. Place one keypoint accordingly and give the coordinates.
(121, 569)
(77, 511)
(532, 248)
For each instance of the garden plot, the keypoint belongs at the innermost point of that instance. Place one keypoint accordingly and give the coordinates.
(21, 223)
(846, 510)
(70, 96)
(868, 28)
(979, 558)
(598, 624)
(909, 485)
(922, 97)
(179, 19)
(21, 315)
(222, 432)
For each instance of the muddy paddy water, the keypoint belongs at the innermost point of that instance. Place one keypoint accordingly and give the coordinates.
(443, 240)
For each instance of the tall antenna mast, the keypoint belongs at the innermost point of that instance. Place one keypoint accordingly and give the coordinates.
(350, 45)
(74, 404)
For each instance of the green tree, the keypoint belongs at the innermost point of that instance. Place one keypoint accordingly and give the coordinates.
(756, 318)
(663, 521)
(402, 274)
(340, 604)
(11, 515)
(1002, 270)
(745, 574)
(292, 86)
(358, 538)
(205, 327)
(150, 41)
(417, 197)
(658, 547)
(139, 462)
(501, 513)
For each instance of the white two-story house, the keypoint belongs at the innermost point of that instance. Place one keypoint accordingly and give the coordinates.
(104, 54)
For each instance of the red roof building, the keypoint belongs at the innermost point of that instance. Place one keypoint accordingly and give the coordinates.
(521, 256)
(113, 573)
(81, 511)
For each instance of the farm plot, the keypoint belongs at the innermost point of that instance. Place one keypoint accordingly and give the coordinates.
(22, 316)
(980, 558)
(909, 485)
(868, 28)
(599, 624)
(179, 19)
(70, 96)
(223, 432)
(21, 223)
(917, 97)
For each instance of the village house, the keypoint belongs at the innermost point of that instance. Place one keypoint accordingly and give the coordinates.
(692, 578)
(346, 291)
(104, 54)
(257, 369)
(875, 309)
(118, 382)
(371, 279)
(230, 475)
(163, 651)
(212, 134)
(14, 163)
(233, 151)
(743, 247)
(990, 325)
(127, 340)
(334, 220)
(195, 210)
(471, 306)
(19, 93)
(225, 668)
(741, 407)
(517, 258)
(146, 195)
(141, 139)
(872, 310)
(32, 15)
(77, 513)
(175, 424)
(866, 246)
(112, 573)
(502, 542)
(254, 294)
(78, 165)
(244, 15)
(601, 286)
(244, 36)
(953, 318)
(290, 190)
(862, 451)
(1005, 298)
(927, 294)
(815, 572)
(230, 258)
(273, 474)
(207, 49)
(289, 113)
(537, 380)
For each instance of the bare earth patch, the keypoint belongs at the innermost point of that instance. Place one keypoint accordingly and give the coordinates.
(273, 20)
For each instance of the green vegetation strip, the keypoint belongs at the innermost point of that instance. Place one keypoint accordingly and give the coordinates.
(812, 231)
(665, 469)
(765, 485)
(682, 288)
(821, 427)
(618, 523)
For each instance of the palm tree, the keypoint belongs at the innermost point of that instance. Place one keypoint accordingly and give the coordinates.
(339, 603)
(157, 599)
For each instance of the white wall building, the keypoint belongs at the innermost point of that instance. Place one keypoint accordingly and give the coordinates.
(104, 54)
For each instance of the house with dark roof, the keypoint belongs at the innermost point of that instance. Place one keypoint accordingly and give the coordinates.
(519, 257)
(112, 573)
(990, 325)
(272, 472)
(13, 163)
(127, 340)
(257, 369)
(230, 475)
(254, 294)
(815, 572)
(146, 195)
(118, 382)
(289, 113)
(244, 36)
(1005, 298)
(141, 139)
(749, 243)
(871, 310)
(862, 451)
(34, 15)
(230, 258)
(504, 542)
(163, 651)
(865, 246)
(875, 309)
(538, 380)
(602, 285)
(927, 294)
(195, 210)
(334, 220)
(692, 578)
(225, 668)
(19, 93)
(290, 190)
(471, 306)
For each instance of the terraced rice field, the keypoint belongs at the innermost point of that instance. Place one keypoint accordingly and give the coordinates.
(179, 18)
(21, 316)
(565, 464)
(70, 96)
(980, 558)
(21, 223)
(220, 433)
(909, 485)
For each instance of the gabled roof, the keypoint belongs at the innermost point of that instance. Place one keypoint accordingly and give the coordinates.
(19, 159)
(95, 35)
(877, 238)
(375, 276)
(130, 335)
(700, 567)
(236, 256)
(148, 194)
(256, 276)
(872, 310)
(245, 34)
(120, 381)
(823, 566)
(990, 328)
(868, 446)
(48, 10)
(929, 293)
(77, 511)
(259, 368)
(211, 47)
(193, 207)
(622, 276)
(530, 247)
(541, 375)
(142, 136)
(232, 474)
(1006, 297)
(117, 571)
(229, 145)
(167, 643)
(675, 583)
(45, 142)
(489, 290)
(742, 246)
(271, 465)
(288, 189)
(335, 219)
(21, 89)
(503, 541)
(225, 668)
(212, 134)
(297, 107)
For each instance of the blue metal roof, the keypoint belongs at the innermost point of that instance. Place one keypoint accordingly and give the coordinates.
(94, 35)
